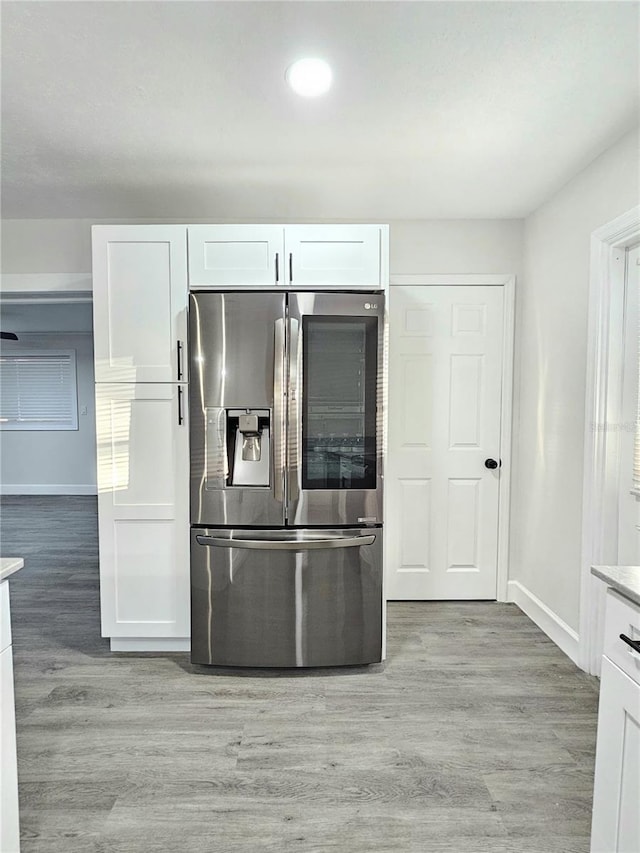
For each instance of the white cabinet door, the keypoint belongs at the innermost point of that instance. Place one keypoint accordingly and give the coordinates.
(236, 255)
(139, 302)
(9, 823)
(445, 397)
(143, 506)
(616, 795)
(343, 256)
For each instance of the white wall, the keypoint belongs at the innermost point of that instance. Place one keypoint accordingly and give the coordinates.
(551, 336)
(56, 461)
(431, 246)
(456, 246)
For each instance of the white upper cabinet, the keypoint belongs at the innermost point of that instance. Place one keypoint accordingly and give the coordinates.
(343, 256)
(296, 256)
(236, 255)
(140, 302)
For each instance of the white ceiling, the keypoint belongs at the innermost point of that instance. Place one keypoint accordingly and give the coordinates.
(180, 110)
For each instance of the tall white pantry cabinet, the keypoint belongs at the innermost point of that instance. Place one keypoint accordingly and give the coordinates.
(140, 334)
(141, 278)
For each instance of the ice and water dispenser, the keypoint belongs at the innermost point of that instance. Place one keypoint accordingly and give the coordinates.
(248, 446)
(237, 448)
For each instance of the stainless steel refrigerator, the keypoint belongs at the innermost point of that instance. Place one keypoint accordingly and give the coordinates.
(286, 477)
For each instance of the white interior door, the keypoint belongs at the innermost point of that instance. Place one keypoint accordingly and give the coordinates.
(445, 396)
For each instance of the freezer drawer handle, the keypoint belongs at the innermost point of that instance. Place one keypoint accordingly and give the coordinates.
(285, 545)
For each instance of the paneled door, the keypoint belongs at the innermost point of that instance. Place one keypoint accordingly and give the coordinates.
(143, 509)
(442, 477)
(236, 256)
(341, 256)
(140, 303)
(616, 794)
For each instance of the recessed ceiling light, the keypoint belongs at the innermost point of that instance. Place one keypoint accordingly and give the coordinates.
(309, 77)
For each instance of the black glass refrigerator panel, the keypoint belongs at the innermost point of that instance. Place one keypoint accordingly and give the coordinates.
(339, 360)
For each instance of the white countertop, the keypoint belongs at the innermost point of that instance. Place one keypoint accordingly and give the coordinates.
(624, 579)
(9, 565)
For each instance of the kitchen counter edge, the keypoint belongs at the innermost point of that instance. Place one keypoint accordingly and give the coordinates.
(9, 566)
(624, 579)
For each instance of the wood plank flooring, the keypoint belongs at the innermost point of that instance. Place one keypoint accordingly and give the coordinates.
(476, 736)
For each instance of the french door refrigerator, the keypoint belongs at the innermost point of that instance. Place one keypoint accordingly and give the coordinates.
(286, 477)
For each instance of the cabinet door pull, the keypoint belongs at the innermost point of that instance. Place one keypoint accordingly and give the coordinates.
(180, 415)
(290, 267)
(179, 357)
(635, 644)
(277, 270)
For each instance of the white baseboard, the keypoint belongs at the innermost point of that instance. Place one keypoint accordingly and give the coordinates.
(150, 644)
(47, 489)
(553, 626)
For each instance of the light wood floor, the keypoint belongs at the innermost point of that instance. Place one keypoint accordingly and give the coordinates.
(477, 734)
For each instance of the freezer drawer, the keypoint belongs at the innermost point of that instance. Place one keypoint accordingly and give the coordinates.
(286, 598)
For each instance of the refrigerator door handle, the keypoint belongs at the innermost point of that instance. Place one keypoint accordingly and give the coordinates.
(286, 544)
(294, 436)
(279, 388)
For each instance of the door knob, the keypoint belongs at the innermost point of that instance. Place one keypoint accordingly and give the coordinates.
(491, 463)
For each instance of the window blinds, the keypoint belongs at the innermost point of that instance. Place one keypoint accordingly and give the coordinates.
(38, 391)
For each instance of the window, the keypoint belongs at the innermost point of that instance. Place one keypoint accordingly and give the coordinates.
(38, 390)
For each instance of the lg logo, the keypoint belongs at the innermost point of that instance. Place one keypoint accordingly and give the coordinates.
(369, 305)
